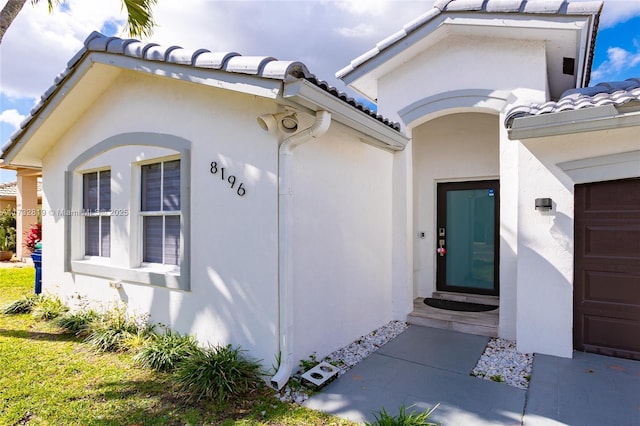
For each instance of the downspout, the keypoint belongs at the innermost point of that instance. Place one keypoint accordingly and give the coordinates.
(285, 243)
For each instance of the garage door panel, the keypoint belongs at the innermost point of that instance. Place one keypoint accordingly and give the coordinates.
(607, 268)
(612, 333)
(611, 197)
(615, 240)
(612, 287)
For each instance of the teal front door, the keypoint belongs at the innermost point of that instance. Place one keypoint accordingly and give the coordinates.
(467, 239)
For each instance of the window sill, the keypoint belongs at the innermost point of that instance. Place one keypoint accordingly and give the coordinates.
(147, 274)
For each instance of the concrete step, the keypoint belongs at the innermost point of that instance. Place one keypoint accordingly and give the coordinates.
(470, 298)
(480, 323)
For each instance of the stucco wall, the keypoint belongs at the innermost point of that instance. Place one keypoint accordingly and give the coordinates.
(545, 258)
(545, 240)
(342, 232)
(233, 240)
(460, 62)
(456, 147)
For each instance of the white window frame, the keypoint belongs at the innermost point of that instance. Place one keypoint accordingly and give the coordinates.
(157, 266)
(99, 213)
(126, 265)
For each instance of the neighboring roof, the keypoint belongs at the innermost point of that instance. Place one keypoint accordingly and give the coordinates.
(401, 39)
(231, 62)
(10, 189)
(615, 93)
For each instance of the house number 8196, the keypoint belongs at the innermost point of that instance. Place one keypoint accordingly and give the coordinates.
(231, 179)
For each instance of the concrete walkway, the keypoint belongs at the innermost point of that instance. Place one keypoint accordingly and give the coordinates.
(425, 366)
(586, 390)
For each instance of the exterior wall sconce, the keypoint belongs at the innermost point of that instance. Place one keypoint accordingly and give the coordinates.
(544, 204)
(286, 122)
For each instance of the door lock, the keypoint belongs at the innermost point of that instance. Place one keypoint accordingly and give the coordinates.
(441, 250)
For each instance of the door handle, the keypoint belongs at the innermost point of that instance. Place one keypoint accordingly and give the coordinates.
(441, 250)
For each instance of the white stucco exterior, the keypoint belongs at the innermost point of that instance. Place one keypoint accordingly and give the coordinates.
(343, 233)
(455, 119)
(227, 288)
(227, 231)
(545, 239)
(360, 219)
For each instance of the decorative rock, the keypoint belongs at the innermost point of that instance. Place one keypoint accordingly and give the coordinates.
(351, 355)
(501, 362)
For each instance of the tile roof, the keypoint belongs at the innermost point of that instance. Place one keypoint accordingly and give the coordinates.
(10, 189)
(232, 62)
(615, 93)
(548, 7)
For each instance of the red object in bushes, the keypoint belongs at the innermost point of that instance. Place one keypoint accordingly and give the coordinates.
(32, 236)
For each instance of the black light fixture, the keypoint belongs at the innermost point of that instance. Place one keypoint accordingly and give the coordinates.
(544, 204)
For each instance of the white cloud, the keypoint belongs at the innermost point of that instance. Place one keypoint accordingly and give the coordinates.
(38, 44)
(618, 61)
(617, 11)
(12, 117)
(325, 35)
(361, 30)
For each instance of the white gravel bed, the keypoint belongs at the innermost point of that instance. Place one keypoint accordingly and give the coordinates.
(346, 357)
(501, 362)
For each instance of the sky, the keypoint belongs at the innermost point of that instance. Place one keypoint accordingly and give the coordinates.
(324, 35)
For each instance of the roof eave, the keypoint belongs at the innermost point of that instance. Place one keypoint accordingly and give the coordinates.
(592, 119)
(243, 83)
(373, 131)
(363, 66)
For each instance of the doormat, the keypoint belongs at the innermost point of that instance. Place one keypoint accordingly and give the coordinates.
(452, 305)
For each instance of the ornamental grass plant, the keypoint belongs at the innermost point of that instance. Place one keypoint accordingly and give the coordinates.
(78, 323)
(165, 351)
(404, 418)
(218, 373)
(48, 307)
(115, 330)
(24, 305)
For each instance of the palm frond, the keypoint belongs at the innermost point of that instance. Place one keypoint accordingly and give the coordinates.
(139, 17)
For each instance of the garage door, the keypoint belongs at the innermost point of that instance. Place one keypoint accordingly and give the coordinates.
(607, 268)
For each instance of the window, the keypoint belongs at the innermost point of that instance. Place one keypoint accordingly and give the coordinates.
(96, 205)
(160, 211)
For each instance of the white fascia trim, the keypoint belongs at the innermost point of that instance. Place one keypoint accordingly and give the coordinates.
(593, 119)
(243, 83)
(606, 167)
(373, 131)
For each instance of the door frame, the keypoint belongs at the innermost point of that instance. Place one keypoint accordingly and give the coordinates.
(441, 215)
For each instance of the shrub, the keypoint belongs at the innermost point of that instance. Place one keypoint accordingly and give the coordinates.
(403, 418)
(32, 236)
(111, 331)
(77, 322)
(48, 308)
(24, 305)
(218, 373)
(165, 351)
(8, 230)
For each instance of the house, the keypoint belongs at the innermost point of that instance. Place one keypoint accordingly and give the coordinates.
(27, 208)
(243, 200)
(9, 193)
(168, 184)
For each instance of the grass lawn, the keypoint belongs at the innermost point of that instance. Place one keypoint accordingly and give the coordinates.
(49, 377)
